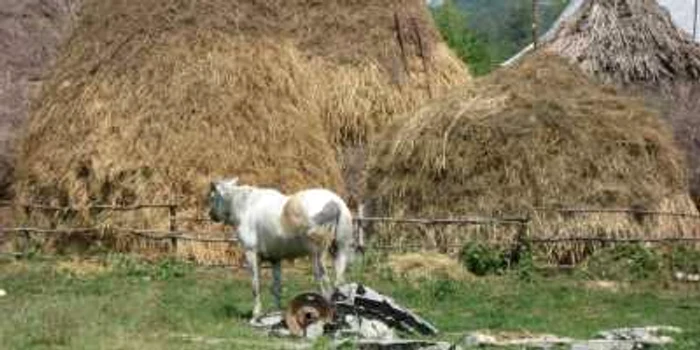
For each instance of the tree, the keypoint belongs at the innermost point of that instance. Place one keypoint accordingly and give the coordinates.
(452, 23)
(503, 27)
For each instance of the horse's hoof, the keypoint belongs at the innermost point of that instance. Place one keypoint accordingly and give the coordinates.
(255, 321)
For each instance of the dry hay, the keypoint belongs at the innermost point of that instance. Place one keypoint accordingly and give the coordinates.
(151, 100)
(426, 265)
(137, 134)
(607, 286)
(82, 267)
(682, 111)
(536, 135)
(201, 253)
(631, 42)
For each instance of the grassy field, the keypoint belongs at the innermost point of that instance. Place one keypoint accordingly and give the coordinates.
(119, 302)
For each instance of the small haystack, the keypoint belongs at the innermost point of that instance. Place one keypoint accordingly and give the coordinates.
(536, 135)
(426, 266)
(155, 98)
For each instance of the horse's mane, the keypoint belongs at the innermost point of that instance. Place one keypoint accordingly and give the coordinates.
(239, 195)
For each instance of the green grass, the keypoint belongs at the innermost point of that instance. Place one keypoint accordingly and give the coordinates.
(134, 305)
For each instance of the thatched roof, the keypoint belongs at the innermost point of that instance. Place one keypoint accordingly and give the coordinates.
(157, 97)
(626, 42)
(539, 134)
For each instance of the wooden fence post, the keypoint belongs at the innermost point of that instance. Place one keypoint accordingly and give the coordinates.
(360, 226)
(26, 242)
(172, 218)
(521, 241)
(26, 236)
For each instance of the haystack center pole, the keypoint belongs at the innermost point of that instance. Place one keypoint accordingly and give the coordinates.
(535, 23)
(695, 21)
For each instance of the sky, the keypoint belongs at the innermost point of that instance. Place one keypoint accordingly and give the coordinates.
(682, 13)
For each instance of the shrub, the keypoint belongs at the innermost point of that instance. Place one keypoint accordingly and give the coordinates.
(625, 262)
(481, 259)
(163, 269)
(685, 259)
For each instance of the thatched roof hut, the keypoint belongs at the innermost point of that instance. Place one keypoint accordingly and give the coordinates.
(155, 98)
(637, 46)
(538, 135)
(627, 42)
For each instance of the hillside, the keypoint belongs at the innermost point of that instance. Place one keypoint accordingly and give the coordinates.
(30, 33)
(505, 25)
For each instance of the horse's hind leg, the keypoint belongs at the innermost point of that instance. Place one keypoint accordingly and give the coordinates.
(340, 262)
(277, 283)
(320, 273)
(252, 259)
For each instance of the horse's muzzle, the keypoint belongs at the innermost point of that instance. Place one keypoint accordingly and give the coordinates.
(213, 216)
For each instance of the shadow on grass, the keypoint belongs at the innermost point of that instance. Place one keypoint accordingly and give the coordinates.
(230, 310)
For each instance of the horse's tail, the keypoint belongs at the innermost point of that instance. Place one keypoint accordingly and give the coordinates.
(334, 242)
(332, 216)
(344, 234)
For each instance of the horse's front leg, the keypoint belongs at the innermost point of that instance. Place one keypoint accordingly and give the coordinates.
(252, 259)
(277, 283)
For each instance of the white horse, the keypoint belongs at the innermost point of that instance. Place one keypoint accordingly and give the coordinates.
(273, 227)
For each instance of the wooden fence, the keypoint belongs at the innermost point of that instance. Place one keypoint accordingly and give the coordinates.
(174, 235)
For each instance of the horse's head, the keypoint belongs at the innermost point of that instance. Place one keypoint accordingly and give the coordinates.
(219, 208)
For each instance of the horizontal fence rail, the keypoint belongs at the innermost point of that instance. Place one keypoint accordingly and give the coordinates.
(149, 234)
(187, 236)
(613, 240)
(109, 207)
(614, 211)
(174, 235)
(448, 221)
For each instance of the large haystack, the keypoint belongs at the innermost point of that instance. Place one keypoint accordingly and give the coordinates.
(536, 135)
(155, 98)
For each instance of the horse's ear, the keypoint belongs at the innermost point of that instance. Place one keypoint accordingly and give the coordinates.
(213, 186)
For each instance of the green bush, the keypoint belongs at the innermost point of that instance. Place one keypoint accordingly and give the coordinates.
(481, 259)
(685, 259)
(625, 262)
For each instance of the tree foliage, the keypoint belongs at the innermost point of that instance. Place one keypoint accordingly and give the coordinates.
(452, 23)
(485, 33)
